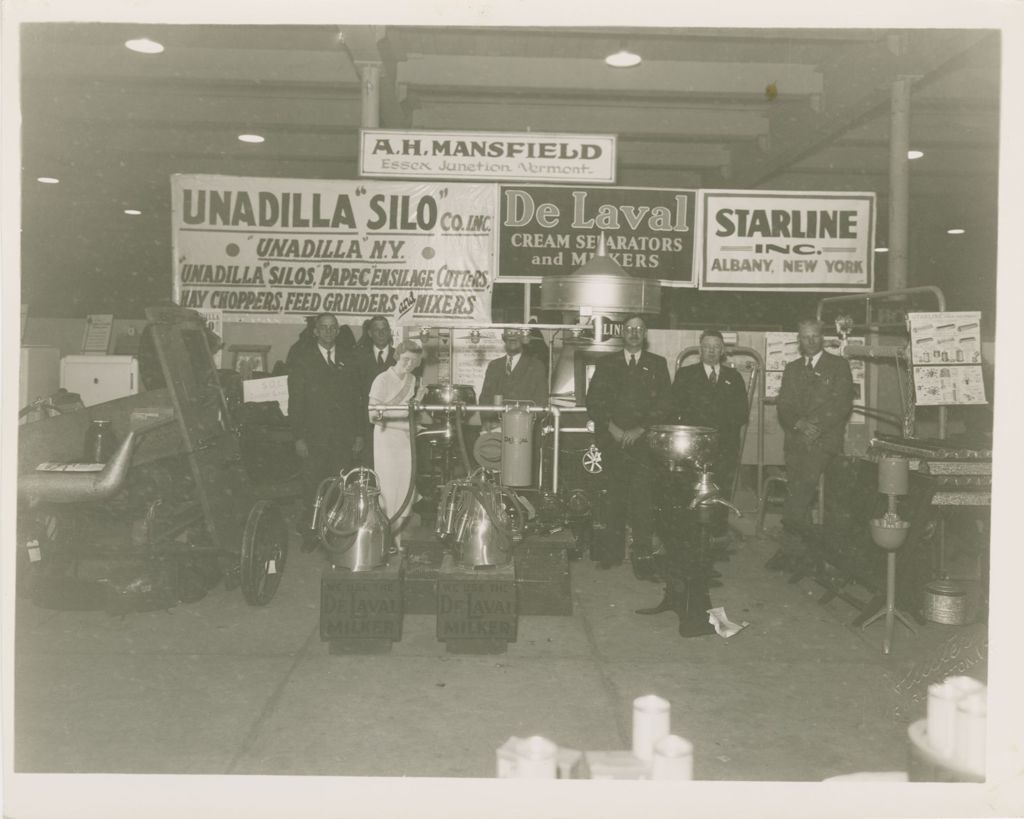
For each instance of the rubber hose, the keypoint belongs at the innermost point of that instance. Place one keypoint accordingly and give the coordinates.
(463, 454)
(412, 461)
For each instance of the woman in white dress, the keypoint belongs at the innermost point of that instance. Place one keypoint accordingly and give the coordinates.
(391, 442)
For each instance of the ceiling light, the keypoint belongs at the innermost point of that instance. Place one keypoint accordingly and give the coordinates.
(48, 180)
(254, 138)
(915, 154)
(623, 58)
(132, 212)
(955, 231)
(881, 250)
(144, 46)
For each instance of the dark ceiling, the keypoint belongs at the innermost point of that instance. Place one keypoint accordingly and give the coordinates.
(784, 109)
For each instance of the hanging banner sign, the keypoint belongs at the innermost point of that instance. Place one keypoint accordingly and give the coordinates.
(787, 240)
(277, 250)
(553, 231)
(567, 158)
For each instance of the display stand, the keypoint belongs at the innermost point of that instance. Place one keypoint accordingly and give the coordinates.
(476, 608)
(361, 612)
(889, 533)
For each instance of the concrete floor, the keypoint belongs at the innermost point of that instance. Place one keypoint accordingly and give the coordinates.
(218, 687)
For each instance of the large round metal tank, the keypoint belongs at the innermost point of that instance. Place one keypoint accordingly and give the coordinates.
(578, 353)
(602, 293)
(603, 286)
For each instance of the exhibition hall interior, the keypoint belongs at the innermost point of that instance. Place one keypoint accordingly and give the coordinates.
(488, 402)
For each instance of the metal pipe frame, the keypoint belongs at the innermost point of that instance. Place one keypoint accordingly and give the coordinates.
(504, 326)
(555, 411)
(881, 295)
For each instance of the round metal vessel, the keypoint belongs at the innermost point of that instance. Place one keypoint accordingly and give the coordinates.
(679, 445)
(619, 295)
(449, 394)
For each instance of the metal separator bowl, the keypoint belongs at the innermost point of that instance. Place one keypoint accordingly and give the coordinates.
(449, 394)
(679, 445)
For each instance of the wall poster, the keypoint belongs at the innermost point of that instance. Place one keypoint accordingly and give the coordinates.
(553, 231)
(786, 240)
(277, 250)
(945, 351)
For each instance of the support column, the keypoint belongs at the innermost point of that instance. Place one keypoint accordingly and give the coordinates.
(369, 75)
(899, 183)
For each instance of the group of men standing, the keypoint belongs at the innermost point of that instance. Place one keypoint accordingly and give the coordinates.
(631, 391)
(329, 378)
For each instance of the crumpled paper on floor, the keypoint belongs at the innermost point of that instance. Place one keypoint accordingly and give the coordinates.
(723, 625)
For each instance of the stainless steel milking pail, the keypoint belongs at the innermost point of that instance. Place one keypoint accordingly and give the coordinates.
(353, 527)
(483, 530)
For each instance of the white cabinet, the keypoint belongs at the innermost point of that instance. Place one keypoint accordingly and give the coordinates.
(100, 378)
(38, 374)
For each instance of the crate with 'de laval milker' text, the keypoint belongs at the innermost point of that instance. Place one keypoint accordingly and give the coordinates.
(476, 608)
(361, 612)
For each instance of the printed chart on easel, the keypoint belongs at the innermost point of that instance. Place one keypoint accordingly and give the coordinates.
(946, 356)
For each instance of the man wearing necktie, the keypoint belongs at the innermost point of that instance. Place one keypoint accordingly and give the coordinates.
(324, 405)
(629, 392)
(814, 403)
(513, 377)
(706, 394)
(369, 361)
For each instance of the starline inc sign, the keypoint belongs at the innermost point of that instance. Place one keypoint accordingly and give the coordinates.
(565, 158)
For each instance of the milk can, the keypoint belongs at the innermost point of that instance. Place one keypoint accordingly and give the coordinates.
(351, 523)
(516, 444)
(483, 531)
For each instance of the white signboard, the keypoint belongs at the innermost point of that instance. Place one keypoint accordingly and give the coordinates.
(278, 250)
(570, 159)
(949, 385)
(267, 389)
(98, 328)
(780, 349)
(945, 338)
(945, 349)
(786, 240)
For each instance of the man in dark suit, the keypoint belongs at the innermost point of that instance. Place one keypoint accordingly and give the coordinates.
(814, 403)
(628, 393)
(706, 394)
(516, 376)
(370, 360)
(343, 344)
(325, 410)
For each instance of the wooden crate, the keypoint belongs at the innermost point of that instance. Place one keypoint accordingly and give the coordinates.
(361, 612)
(542, 574)
(476, 608)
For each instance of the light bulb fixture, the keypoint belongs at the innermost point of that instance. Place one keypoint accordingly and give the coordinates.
(144, 45)
(881, 250)
(955, 231)
(623, 58)
(913, 154)
(132, 212)
(255, 139)
(48, 180)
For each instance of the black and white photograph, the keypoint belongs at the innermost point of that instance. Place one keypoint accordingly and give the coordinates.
(415, 400)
